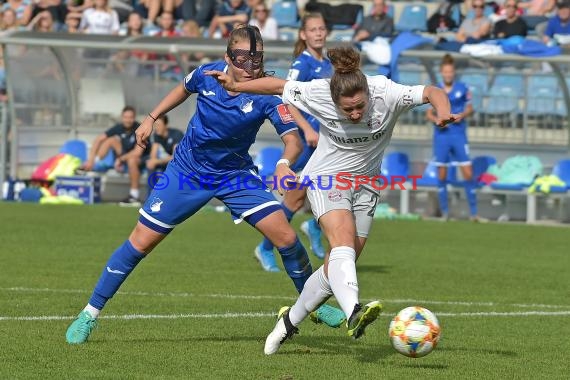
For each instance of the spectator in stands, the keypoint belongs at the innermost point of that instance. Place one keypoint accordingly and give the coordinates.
(450, 144)
(149, 9)
(72, 21)
(9, 21)
(22, 8)
(191, 29)
(167, 26)
(76, 7)
(229, 13)
(42, 22)
(512, 25)
(100, 19)
(476, 28)
(536, 11)
(558, 26)
(168, 30)
(201, 11)
(267, 25)
(378, 24)
(163, 143)
(119, 60)
(123, 9)
(55, 7)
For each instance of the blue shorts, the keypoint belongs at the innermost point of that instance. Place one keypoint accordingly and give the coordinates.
(176, 196)
(451, 149)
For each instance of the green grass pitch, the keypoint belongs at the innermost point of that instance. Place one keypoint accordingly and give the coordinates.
(199, 306)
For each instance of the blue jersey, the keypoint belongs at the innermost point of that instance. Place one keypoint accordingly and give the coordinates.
(305, 68)
(224, 126)
(459, 97)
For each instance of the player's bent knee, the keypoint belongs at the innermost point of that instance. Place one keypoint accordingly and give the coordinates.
(145, 239)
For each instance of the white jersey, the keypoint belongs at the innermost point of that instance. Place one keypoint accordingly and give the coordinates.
(99, 22)
(344, 146)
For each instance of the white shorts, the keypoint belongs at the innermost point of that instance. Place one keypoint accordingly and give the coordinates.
(361, 202)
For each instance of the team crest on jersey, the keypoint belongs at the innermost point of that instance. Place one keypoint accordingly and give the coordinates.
(246, 105)
(284, 114)
(296, 94)
(334, 196)
(156, 204)
(458, 94)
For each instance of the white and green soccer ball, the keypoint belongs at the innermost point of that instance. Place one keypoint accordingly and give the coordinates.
(414, 332)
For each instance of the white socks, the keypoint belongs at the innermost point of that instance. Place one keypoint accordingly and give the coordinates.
(315, 292)
(342, 278)
(92, 310)
(134, 193)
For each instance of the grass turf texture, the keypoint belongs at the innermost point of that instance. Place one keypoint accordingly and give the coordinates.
(51, 258)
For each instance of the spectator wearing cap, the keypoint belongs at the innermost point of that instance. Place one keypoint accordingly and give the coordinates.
(512, 25)
(378, 24)
(558, 26)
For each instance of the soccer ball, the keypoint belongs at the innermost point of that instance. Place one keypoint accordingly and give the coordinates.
(414, 332)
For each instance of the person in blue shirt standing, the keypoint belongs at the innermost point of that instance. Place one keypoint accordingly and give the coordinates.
(310, 63)
(450, 144)
(212, 161)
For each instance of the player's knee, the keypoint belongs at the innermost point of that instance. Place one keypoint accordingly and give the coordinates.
(286, 237)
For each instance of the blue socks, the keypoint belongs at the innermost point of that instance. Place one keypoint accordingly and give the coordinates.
(470, 187)
(268, 245)
(442, 195)
(296, 263)
(119, 266)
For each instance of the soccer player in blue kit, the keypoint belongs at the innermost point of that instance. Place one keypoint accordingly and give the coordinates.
(310, 63)
(450, 144)
(212, 161)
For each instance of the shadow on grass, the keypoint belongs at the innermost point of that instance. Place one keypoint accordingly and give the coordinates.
(426, 365)
(344, 346)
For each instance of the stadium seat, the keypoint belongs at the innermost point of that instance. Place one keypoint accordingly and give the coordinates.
(266, 160)
(430, 175)
(77, 148)
(562, 171)
(413, 19)
(108, 162)
(476, 79)
(285, 12)
(395, 164)
(479, 165)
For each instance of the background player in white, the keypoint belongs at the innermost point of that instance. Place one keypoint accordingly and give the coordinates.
(357, 114)
(310, 63)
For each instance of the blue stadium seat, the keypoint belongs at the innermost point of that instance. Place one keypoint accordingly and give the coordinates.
(285, 12)
(395, 164)
(540, 101)
(502, 100)
(266, 160)
(430, 175)
(409, 77)
(479, 165)
(476, 79)
(413, 19)
(513, 81)
(77, 148)
(108, 162)
(562, 171)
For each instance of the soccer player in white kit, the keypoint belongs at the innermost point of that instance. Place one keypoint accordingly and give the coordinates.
(357, 115)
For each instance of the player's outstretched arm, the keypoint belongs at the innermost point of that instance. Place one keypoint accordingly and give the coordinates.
(169, 102)
(439, 100)
(263, 86)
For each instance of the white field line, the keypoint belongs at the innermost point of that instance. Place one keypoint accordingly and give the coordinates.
(267, 315)
(257, 297)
